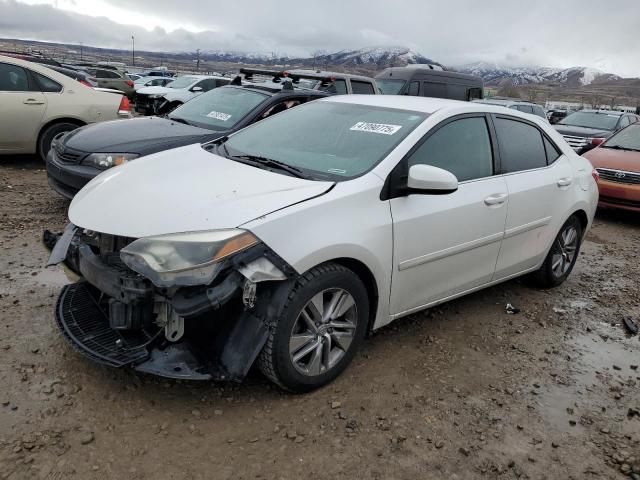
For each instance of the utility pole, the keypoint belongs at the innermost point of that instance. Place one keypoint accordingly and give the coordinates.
(197, 59)
(133, 51)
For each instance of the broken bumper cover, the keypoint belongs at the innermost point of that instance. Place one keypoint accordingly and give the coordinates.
(86, 327)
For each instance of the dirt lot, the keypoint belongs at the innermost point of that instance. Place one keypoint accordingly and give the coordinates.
(462, 391)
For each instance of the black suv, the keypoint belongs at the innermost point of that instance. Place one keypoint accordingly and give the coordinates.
(77, 157)
(585, 129)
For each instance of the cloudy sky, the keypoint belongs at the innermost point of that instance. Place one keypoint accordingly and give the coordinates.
(556, 33)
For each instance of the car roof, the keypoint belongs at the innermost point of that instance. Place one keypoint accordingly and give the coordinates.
(40, 68)
(407, 73)
(274, 89)
(607, 112)
(325, 74)
(505, 101)
(427, 105)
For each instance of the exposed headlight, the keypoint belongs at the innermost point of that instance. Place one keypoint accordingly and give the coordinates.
(108, 160)
(185, 258)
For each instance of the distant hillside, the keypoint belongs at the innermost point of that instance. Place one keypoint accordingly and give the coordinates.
(496, 75)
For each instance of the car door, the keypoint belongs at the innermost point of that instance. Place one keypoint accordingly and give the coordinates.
(539, 181)
(447, 244)
(23, 106)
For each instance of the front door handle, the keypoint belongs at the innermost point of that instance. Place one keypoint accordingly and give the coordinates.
(32, 101)
(564, 182)
(496, 199)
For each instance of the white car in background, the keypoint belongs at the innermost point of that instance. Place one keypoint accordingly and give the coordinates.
(38, 103)
(289, 240)
(157, 99)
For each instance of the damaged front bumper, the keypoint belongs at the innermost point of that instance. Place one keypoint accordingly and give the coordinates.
(118, 318)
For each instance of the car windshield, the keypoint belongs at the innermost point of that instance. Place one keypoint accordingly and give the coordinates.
(328, 140)
(390, 87)
(629, 138)
(220, 108)
(141, 80)
(182, 82)
(600, 121)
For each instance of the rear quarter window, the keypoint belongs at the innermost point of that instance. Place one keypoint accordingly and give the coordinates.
(46, 84)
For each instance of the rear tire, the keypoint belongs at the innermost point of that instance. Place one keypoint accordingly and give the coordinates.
(562, 256)
(47, 135)
(325, 314)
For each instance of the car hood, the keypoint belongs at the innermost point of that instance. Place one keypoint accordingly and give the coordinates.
(615, 159)
(184, 190)
(156, 90)
(142, 135)
(581, 131)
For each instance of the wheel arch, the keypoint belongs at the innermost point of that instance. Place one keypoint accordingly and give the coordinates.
(76, 121)
(583, 218)
(368, 279)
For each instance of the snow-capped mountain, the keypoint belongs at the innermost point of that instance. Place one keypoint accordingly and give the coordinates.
(380, 57)
(495, 74)
(370, 57)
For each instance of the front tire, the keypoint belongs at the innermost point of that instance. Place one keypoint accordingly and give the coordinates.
(48, 134)
(562, 256)
(318, 329)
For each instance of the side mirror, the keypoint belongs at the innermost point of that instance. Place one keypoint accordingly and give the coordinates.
(196, 89)
(425, 179)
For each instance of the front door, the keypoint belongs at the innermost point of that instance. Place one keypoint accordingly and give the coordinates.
(447, 244)
(23, 106)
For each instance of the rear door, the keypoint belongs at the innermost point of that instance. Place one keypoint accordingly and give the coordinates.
(23, 106)
(446, 244)
(539, 182)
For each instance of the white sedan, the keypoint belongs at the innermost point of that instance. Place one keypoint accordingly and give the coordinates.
(288, 241)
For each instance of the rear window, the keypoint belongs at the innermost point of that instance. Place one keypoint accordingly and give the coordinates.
(601, 121)
(359, 87)
(521, 146)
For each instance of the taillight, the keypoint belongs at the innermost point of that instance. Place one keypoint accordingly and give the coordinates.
(595, 175)
(124, 108)
(85, 83)
(129, 82)
(595, 141)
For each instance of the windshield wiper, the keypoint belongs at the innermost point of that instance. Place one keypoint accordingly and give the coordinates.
(179, 120)
(269, 162)
(618, 147)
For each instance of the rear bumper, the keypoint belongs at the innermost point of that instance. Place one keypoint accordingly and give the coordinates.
(68, 178)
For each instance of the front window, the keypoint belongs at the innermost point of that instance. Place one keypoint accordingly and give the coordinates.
(219, 109)
(627, 139)
(390, 87)
(182, 82)
(327, 140)
(600, 121)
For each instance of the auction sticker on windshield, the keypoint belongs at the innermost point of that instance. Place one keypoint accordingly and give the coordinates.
(376, 128)
(219, 116)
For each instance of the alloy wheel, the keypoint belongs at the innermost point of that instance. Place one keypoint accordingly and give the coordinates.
(323, 331)
(562, 258)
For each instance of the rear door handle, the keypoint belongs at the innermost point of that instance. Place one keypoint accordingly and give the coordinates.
(564, 182)
(32, 101)
(496, 199)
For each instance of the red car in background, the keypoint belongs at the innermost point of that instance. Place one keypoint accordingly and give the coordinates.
(617, 161)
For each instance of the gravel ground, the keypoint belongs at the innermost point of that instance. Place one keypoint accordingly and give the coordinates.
(460, 391)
